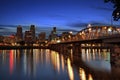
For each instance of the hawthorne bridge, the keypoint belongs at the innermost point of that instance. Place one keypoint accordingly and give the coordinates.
(95, 37)
(91, 36)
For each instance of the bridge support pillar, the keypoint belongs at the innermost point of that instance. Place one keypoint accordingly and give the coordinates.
(77, 49)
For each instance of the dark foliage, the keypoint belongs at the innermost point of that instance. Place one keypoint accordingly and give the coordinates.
(116, 12)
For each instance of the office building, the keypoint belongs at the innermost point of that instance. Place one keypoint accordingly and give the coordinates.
(19, 34)
(32, 29)
(42, 36)
(28, 37)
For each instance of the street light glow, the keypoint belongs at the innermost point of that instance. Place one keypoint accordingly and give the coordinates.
(70, 32)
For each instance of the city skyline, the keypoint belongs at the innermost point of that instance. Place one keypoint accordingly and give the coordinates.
(68, 15)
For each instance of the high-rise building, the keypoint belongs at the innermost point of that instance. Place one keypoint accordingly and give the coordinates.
(53, 35)
(54, 30)
(32, 29)
(42, 36)
(19, 34)
(28, 37)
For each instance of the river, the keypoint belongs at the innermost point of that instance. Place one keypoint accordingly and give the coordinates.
(45, 64)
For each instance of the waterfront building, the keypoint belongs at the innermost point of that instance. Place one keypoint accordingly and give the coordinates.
(42, 37)
(19, 34)
(53, 35)
(9, 40)
(32, 29)
(28, 37)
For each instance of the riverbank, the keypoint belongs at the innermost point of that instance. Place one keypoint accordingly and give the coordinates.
(23, 47)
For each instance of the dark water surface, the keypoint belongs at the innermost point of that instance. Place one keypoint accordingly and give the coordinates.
(44, 64)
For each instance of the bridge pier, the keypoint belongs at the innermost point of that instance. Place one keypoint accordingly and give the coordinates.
(76, 48)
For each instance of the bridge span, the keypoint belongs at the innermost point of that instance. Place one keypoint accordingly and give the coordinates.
(96, 37)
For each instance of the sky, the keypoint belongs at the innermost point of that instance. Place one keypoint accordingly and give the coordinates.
(66, 15)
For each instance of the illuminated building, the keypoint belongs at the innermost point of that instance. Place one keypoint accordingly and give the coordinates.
(42, 36)
(53, 35)
(54, 30)
(28, 37)
(19, 34)
(32, 29)
(9, 40)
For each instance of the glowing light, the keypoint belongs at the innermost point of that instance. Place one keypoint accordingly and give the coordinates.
(109, 29)
(62, 62)
(118, 14)
(89, 29)
(58, 62)
(83, 32)
(46, 41)
(70, 32)
(55, 60)
(70, 70)
(105, 27)
(11, 63)
(89, 25)
(80, 33)
(90, 77)
(58, 41)
(82, 74)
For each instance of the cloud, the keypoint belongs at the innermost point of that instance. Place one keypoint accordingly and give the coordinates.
(8, 25)
(1, 28)
(67, 30)
(84, 25)
(95, 23)
(77, 25)
(102, 8)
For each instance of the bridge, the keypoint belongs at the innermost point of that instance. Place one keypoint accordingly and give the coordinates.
(95, 37)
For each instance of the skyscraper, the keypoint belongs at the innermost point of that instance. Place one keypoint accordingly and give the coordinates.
(53, 34)
(42, 36)
(54, 30)
(32, 29)
(19, 34)
(28, 37)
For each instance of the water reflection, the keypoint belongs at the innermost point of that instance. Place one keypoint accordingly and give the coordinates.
(82, 74)
(70, 70)
(11, 61)
(55, 61)
(44, 64)
(35, 64)
(90, 77)
(95, 58)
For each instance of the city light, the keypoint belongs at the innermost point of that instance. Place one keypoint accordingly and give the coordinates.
(70, 32)
(89, 29)
(89, 25)
(58, 41)
(109, 29)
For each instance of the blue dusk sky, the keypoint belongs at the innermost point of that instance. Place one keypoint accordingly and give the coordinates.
(66, 15)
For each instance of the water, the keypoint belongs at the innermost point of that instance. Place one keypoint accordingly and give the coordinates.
(44, 64)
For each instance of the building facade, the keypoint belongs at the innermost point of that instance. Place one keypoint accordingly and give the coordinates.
(42, 37)
(19, 34)
(28, 37)
(32, 29)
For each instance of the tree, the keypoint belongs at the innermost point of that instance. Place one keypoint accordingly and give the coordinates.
(116, 12)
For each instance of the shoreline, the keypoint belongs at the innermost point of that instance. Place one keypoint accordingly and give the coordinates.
(23, 47)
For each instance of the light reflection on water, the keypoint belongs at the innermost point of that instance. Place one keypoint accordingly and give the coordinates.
(44, 64)
(96, 59)
(34, 64)
(70, 70)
